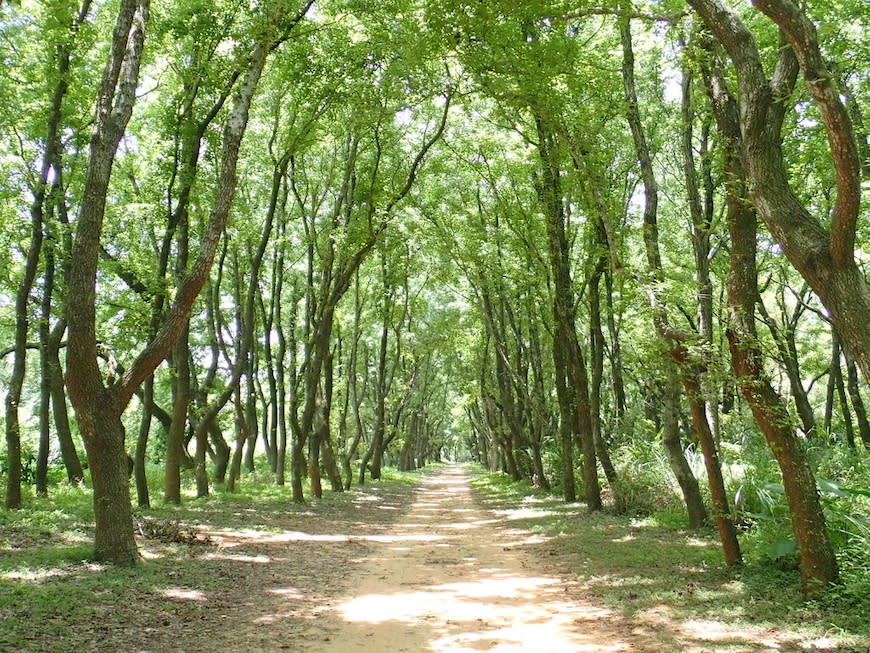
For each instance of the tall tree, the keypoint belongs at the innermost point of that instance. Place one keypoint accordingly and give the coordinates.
(824, 255)
(818, 566)
(672, 339)
(99, 405)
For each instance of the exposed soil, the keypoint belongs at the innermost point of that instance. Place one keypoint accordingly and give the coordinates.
(407, 569)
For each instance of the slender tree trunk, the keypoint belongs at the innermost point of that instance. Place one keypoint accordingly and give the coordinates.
(615, 347)
(175, 452)
(831, 390)
(673, 445)
(241, 429)
(573, 386)
(19, 362)
(143, 498)
(381, 390)
(355, 395)
(857, 401)
(280, 375)
(785, 343)
(669, 337)
(45, 374)
(837, 377)
(597, 346)
(71, 461)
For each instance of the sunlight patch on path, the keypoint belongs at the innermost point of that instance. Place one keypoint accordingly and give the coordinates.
(227, 539)
(464, 584)
(184, 594)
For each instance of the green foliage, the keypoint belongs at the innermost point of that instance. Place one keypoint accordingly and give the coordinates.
(645, 486)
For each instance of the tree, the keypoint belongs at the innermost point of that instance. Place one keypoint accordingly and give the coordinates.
(98, 404)
(672, 339)
(824, 255)
(818, 566)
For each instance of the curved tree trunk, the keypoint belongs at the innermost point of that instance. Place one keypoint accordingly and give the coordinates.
(98, 407)
(823, 255)
(818, 566)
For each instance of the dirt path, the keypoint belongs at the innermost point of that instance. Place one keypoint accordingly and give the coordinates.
(450, 577)
(390, 568)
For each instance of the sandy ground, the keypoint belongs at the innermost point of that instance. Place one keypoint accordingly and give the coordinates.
(402, 568)
(449, 577)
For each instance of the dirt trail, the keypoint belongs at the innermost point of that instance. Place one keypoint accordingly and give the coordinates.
(450, 577)
(391, 568)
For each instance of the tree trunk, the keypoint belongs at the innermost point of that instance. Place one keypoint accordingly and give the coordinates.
(818, 566)
(74, 471)
(113, 512)
(570, 367)
(241, 429)
(673, 445)
(596, 334)
(222, 453)
(98, 408)
(382, 388)
(615, 348)
(175, 452)
(837, 377)
(143, 498)
(722, 512)
(857, 401)
(785, 343)
(670, 339)
(823, 255)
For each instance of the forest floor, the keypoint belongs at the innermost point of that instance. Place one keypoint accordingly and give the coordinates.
(431, 565)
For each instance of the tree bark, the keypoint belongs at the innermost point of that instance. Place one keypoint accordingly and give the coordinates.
(823, 255)
(818, 565)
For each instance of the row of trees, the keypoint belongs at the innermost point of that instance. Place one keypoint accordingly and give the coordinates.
(342, 231)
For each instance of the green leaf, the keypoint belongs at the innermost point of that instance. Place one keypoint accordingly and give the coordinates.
(833, 488)
(781, 548)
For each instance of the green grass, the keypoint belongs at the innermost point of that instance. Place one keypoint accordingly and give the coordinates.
(650, 568)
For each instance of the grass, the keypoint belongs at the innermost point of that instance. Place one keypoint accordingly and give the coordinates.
(673, 582)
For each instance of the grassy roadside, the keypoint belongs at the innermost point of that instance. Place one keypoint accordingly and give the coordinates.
(53, 598)
(671, 584)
